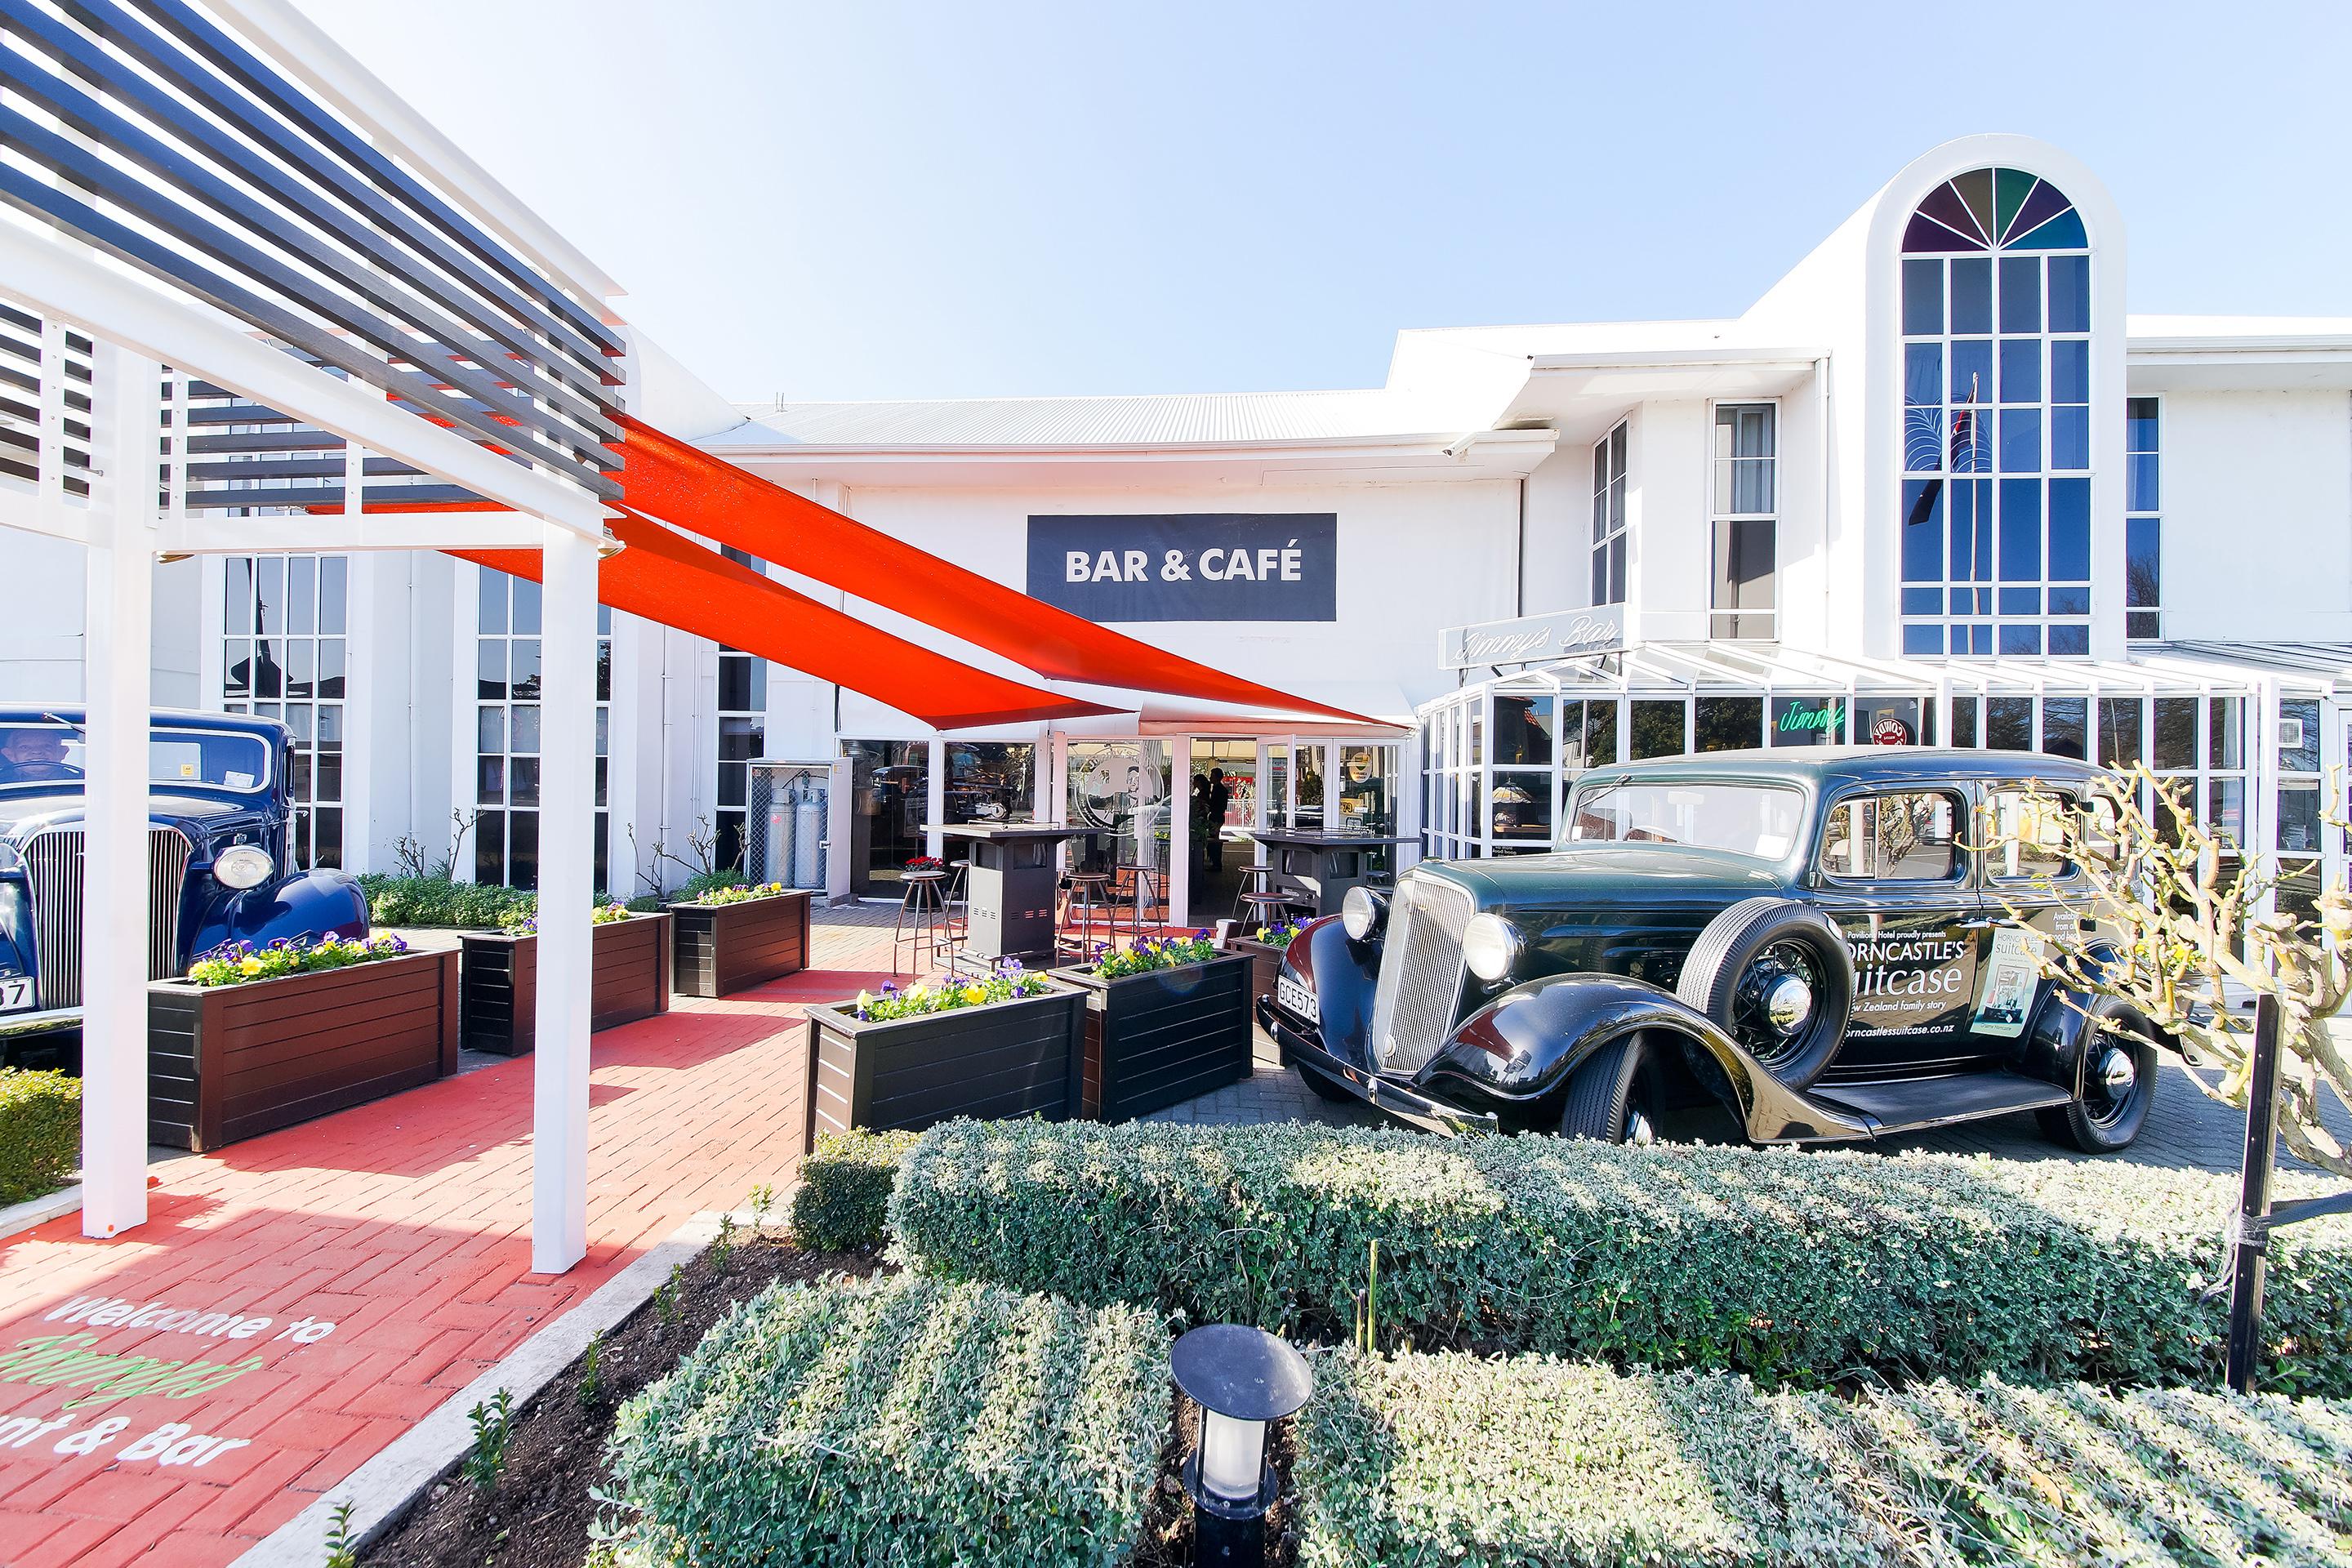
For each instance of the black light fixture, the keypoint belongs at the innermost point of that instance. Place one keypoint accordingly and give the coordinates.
(1242, 1378)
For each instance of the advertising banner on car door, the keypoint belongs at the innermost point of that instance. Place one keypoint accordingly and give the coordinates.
(1194, 567)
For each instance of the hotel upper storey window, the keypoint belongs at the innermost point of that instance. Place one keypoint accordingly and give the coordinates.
(1746, 526)
(1996, 420)
(1609, 518)
(2143, 524)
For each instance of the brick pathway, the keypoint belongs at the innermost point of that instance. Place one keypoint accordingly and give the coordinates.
(334, 1282)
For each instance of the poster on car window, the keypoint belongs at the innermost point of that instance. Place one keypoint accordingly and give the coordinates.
(1910, 982)
(2009, 978)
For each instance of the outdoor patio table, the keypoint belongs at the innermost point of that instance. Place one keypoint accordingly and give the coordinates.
(1010, 888)
(1321, 867)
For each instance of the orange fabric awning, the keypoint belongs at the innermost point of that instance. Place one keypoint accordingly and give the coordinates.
(684, 486)
(666, 577)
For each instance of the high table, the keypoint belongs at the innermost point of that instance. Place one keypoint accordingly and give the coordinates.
(1009, 890)
(1321, 865)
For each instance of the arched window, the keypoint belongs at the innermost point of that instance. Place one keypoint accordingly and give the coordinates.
(1996, 525)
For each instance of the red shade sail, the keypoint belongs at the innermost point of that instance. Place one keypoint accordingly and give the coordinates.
(667, 578)
(692, 489)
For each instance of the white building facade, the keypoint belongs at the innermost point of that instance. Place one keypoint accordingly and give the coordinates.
(1936, 485)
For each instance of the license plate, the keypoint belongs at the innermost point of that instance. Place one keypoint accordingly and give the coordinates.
(1295, 998)
(15, 993)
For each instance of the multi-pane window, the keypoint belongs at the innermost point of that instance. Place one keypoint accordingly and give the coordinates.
(1609, 518)
(1745, 505)
(2143, 525)
(1996, 520)
(742, 731)
(507, 737)
(285, 620)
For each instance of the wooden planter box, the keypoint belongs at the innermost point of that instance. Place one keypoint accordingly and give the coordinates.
(721, 948)
(1156, 1039)
(1266, 964)
(1003, 1059)
(231, 1062)
(629, 962)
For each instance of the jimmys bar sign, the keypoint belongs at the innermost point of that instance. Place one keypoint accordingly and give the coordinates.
(1535, 639)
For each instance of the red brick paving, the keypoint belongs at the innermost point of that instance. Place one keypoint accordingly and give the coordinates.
(405, 1224)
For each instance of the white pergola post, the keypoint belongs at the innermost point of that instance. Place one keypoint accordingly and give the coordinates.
(117, 649)
(567, 806)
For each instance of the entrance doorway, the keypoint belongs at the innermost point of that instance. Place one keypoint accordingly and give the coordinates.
(1221, 840)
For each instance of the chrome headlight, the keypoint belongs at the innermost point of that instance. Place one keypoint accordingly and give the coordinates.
(1490, 945)
(242, 866)
(1361, 912)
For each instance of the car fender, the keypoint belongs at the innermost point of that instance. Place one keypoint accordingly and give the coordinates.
(1523, 1045)
(313, 904)
(1341, 974)
(2053, 1046)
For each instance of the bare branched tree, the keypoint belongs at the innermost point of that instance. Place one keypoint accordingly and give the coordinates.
(2173, 920)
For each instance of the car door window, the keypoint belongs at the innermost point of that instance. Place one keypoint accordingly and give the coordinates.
(2025, 837)
(1905, 836)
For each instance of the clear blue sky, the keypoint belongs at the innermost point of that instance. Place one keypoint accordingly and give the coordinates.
(870, 200)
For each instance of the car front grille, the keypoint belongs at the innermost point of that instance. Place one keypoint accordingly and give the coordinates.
(53, 862)
(1421, 972)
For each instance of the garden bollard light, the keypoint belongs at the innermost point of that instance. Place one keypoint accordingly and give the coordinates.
(1242, 1378)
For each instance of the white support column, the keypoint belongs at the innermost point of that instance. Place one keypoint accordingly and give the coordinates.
(117, 646)
(1180, 853)
(559, 1222)
(935, 799)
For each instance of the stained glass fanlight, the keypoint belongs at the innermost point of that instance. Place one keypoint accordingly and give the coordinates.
(1995, 209)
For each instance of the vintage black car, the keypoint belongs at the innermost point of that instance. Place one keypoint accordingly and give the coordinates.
(218, 814)
(1820, 942)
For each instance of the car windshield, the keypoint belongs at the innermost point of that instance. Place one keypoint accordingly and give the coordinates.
(1760, 820)
(39, 755)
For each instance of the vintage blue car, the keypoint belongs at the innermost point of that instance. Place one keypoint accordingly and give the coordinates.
(1831, 944)
(218, 815)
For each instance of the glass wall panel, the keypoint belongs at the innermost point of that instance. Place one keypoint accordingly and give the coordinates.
(1368, 788)
(284, 641)
(1658, 728)
(1809, 720)
(1729, 723)
(891, 792)
(1524, 731)
(1120, 789)
(991, 781)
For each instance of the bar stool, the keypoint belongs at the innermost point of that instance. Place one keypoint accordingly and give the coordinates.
(1132, 889)
(921, 927)
(958, 898)
(1086, 903)
(1260, 902)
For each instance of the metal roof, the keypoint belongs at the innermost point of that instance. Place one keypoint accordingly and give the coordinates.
(2184, 668)
(1203, 418)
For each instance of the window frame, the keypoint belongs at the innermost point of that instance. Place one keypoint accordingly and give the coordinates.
(1719, 615)
(1613, 461)
(1957, 880)
(2144, 623)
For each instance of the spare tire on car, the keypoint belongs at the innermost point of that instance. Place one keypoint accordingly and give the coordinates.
(1774, 976)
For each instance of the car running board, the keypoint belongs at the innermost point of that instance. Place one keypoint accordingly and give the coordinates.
(1908, 1105)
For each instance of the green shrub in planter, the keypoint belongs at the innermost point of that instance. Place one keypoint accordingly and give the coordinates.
(1811, 1269)
(1449, 1459)
(430, 902)
(40, 1132)
(843, 1198)
(900, 1421)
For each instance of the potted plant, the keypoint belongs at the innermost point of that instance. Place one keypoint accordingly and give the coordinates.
(1004, 1044)
(629, 966)
(1265, 946)
(726, 940)
(1167, 1020)
(253, 1039)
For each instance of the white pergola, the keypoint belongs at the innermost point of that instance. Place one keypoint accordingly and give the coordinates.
(224, 197)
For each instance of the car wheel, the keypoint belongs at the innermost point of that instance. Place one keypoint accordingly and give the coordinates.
(1774, 975)
(2118, 1082)
(1324, 1087)
(1609, 1096)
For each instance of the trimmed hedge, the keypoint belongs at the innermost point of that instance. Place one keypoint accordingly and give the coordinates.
(844, 1200)
(899, 1421)
(429, 901)
(1448, 1459)
(40, 1132)
(1808, 1268)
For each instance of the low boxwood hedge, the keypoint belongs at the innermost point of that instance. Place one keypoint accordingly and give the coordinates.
(430, 902)
(1812, 1268)
(1431, 1459)
(900, 1421)
(843, 1198)
(40, 1132)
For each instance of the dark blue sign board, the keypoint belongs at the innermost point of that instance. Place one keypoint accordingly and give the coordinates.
(1193, 567)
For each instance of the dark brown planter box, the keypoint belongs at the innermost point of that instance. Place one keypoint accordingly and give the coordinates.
(1266, 964)
(230, 1062)
(1158, 1038)
(629, 966)
(725, 948)
(1003, 1060)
